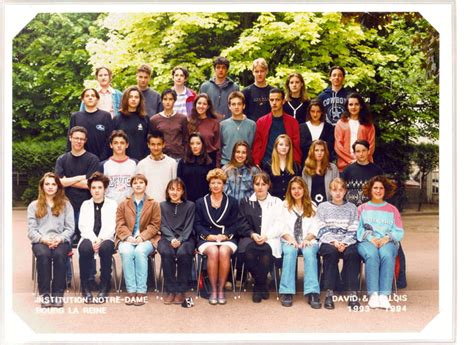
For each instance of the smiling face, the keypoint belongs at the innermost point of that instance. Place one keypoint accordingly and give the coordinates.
(97, 191)
(175, 193)
(336, 78)
(133, 100)
(216, 185)
(143, 79)
(377, 192)
(78, 140)
(337, 193)
(196, 146)
(168, 102)
(50, 187)
(261, 188)
(315, 114)
(103, 78)
(283, 146)
(90, 99)
(201, 106)
(240, 155)
(156, 146)
(353, 106)
(296, 191)
(138, 186)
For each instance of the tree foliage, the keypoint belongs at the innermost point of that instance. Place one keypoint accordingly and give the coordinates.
(426, 156)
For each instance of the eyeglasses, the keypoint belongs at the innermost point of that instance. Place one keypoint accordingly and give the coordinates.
(78, 139)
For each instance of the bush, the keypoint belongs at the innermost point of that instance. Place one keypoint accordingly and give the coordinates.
(34, 158)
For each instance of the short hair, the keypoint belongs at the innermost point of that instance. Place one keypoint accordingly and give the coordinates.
(169, 92)
(183, 69)
(97, 70)
(262, 175)
(220, 60)
(118, 133)
(155, 133)
(339, 68)
(216, 173)
(78, 129)
(145, 68)
(260, 62)
(98, 176)
(360, 142)
(236, 94)
(139, 177)
(389, 185)
(179, 182)
(338, 181)
(96, 93)
(316, 103)
(277, 90)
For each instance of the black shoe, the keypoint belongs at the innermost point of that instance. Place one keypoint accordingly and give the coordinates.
(57, 302)
(264, 292)
(256, 297)
(86, 293)
(314, 301)
(102, 296)
(353, 301)
(328, 303)
(46, 301)
(286, 300)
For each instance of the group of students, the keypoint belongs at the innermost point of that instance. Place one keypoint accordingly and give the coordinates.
(215, 180)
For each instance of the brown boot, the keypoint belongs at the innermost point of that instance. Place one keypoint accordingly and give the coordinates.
(169, 298)
(179, 299)
(140, 299)
(130, 298)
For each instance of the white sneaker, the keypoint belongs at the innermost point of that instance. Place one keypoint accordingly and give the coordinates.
(384, 303)
(374, 301)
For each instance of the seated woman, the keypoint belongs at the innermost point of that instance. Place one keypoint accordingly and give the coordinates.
(260, 244)
(337, 228)
(137, 227)
(50, 228)
(97, 226)
(380, 232)
(318, 172)
(240, 172)
(298, 234)
(216, 224)
(176, 245)
(282, 167)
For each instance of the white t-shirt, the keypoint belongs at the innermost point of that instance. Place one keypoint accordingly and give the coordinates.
(119, 173)
(158, 173)
(354, 126)
(315, 130)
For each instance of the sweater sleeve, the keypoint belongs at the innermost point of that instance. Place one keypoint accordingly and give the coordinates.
(33, 227)
(188, 224)
(353, 224)
(339, 143)
(396, 232)
(365, 232)
(69, 224)
(217, 142)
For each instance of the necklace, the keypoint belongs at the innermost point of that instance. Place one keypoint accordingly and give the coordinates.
(238, 125)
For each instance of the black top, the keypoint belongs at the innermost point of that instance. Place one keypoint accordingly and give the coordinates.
(318, 189)
(152, 102)
(306, 139)
(99, 125)
(356, 176)
(177, 220)
(297, 109)
(256, 101)
(68, 165)
(277, 128)
(98, 217)
(280, 183)
(194, 177)
(136, 128)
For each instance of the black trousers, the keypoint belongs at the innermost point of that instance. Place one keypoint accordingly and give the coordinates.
(176, 264)
(87, 262)
(44, 255)
(350, 270)
(259, 260)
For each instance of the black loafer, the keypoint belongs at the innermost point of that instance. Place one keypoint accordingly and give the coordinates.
(46, 301)
(57, 302)
(87, 296)
(328, 303)
(314, 301)
(286, 300)
(265, 293)
(256, 297)
(102, 295)
(353, 301)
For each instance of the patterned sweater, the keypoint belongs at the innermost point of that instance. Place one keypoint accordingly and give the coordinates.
(337, 223)
(378, 220)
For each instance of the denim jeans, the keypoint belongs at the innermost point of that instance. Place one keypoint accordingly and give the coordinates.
(379, 266)
(288, 281)
(135, 264)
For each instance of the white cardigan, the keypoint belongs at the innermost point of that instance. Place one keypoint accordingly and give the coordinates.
(286, 223)
(86, 220)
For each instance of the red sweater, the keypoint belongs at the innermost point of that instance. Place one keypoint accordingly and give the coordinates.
(261, 136)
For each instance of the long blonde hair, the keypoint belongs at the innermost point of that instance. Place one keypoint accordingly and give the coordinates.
(276, 158)
(311, 165)
(308, 210)
(59, 199)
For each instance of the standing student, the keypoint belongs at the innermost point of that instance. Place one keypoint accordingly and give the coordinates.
(256, 95)
(355, 124)
(318, 172)
(337, 223)
(195, 165)
(157, 167)
(334, 98)
(204, 120)
(185, 96)
(74, 168)
(219, 88)
(380, 232)
(152, 98)
(176, 246)
(98, 123)
(119, 168)
(270, 126)
(50, 228)
(236, 128)
(132, 120)
(297, 223)
(240, 172)
(138, 224)
(282, 167)
(296, 99)
(316, 128)
(110, 98)
(97, 226)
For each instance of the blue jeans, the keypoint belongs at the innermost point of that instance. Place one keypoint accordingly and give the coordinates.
(288, 281)
(379, 266)
(135, 264)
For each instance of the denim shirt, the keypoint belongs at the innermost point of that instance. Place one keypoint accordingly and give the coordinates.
(138, 207)
(240, 181)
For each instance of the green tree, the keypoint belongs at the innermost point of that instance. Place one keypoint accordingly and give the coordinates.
(426, 156)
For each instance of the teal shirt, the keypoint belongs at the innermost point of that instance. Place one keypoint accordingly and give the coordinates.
(138, 214)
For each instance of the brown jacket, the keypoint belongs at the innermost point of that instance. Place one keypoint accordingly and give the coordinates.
(149, 221)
